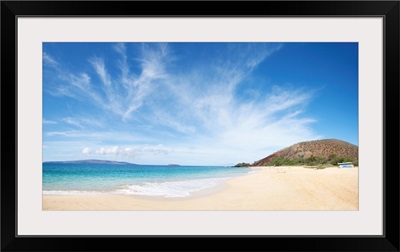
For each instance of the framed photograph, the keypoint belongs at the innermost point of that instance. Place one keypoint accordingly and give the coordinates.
(135, 127)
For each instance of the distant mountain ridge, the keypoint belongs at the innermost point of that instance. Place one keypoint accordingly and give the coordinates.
(318, 148)
(89, 161)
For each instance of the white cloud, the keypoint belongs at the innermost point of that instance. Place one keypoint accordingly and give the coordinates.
(213, 119)
(83, 122)
(126, 77)
(49, 60)
(123, 99)
(132, 151)
(91, 122)
(86, 151)
(72, 122)
(98, 136)
(44, 121)
(100, 68)
(59, 133)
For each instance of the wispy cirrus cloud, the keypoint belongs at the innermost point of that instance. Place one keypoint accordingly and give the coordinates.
(93, 136)
(119, 99)
(49, 60)
(72, 121)
(78, 122)
(199, 112)
(44, 121)
(98, 64)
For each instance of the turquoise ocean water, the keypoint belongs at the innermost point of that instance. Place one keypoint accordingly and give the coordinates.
(148, 180)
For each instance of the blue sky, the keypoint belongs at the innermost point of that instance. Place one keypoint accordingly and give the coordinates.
(195, 103)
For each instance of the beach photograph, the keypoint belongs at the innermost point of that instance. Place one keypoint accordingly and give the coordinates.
(201, 126)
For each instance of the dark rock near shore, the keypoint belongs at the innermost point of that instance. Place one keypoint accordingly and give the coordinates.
(242, 165)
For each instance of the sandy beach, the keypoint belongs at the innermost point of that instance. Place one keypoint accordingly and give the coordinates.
(267, 188)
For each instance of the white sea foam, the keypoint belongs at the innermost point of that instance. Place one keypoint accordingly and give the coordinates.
(170, 189)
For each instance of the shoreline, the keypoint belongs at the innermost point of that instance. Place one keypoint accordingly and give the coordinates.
(265, 188)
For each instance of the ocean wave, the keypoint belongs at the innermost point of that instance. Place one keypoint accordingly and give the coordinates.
(170, 189)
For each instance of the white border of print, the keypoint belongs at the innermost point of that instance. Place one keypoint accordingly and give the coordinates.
(32, 31)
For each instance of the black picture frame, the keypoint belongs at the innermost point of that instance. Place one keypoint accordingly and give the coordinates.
(11, 10)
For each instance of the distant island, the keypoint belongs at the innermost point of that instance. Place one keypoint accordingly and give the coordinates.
(173, 165)
(89, 161)
(318, 152)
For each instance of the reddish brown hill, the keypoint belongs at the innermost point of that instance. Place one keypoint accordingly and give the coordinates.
(318, 148)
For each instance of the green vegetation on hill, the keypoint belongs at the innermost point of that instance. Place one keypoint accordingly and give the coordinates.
(242, 165)
(310, 161)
